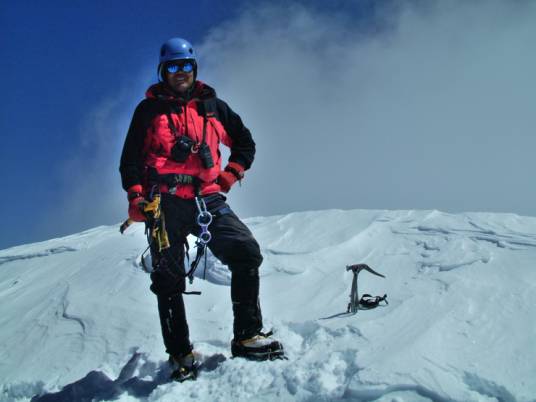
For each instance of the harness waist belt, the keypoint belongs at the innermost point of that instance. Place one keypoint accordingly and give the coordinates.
(174, 179)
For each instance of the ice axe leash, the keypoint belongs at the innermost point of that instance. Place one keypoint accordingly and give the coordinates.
(367, 301)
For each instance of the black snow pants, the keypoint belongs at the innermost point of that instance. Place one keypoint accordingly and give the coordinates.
(232, 243)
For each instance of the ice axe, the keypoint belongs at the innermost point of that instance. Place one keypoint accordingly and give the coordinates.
(353, 306)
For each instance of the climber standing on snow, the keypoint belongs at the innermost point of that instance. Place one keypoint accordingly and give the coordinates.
(172, 149)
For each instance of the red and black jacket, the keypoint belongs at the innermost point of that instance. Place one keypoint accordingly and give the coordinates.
(150, 138)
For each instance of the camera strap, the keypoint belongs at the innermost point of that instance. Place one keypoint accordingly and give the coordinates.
(174, 130)
(171, 125)
(204, 128)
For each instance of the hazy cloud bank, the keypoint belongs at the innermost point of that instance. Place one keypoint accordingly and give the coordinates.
(432, 108)
(418, 106)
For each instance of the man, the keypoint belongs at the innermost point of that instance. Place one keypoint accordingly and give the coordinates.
(172, 150)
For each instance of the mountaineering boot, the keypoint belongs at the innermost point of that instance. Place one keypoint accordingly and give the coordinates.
(258, 347)
(184, 367)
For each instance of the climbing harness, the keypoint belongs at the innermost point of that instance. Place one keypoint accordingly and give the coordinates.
(155, 226)
(367, 301)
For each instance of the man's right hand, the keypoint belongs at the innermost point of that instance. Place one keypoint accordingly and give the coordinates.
(136, 203)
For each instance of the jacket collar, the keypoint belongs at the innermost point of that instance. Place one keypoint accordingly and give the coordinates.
(162, 91)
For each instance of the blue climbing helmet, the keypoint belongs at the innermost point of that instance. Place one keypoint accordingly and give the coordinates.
(176, 49)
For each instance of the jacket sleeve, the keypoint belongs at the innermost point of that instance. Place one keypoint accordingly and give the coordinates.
(131, 166)
(242, 145)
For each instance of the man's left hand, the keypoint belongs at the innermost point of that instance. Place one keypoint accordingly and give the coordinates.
(232, 173)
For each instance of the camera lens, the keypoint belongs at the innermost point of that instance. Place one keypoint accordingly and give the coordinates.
(181, 149)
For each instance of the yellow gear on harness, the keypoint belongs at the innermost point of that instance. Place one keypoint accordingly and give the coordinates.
(158, 231)
(155, 216)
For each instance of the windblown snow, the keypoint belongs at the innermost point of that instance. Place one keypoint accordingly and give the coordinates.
(76, 312)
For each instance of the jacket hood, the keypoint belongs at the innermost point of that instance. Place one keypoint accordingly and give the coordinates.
(161, 90)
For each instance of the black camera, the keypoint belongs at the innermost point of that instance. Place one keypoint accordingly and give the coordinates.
(182, 148)
(206, 156)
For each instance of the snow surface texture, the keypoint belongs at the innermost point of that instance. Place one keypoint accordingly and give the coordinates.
(460, 324)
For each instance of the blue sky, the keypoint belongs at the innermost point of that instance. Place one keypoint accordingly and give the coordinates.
(379, 105)
(59, 59)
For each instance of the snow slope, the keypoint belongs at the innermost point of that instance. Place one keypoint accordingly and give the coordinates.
(460, 324)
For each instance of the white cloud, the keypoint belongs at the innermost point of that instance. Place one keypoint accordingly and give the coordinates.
(432, 110)
(90, 192)
(423, 105)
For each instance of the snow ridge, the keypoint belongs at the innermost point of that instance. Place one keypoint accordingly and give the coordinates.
(459, 325)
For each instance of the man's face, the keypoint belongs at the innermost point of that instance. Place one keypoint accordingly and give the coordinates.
(180, 80)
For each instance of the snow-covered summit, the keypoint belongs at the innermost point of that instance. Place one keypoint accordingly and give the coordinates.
(460, 324)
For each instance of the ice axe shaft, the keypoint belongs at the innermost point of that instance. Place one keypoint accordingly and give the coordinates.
(125, 225)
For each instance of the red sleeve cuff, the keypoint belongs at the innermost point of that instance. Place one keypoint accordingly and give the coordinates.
(134, 192)
(236, 166)
(136, 188)
(236, 169)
